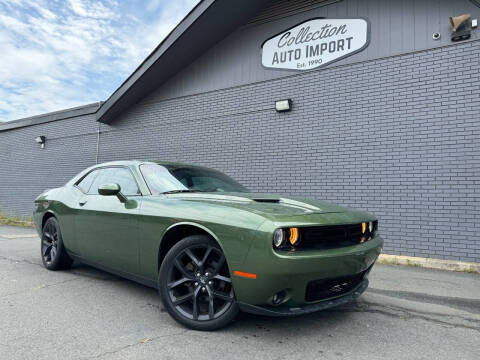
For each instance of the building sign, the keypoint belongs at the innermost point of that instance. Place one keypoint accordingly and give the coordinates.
(315, 43)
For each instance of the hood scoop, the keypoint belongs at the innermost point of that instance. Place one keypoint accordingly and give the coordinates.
(274, 201)
(288, 202)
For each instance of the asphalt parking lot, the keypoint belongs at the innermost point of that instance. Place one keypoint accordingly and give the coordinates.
(84, 313)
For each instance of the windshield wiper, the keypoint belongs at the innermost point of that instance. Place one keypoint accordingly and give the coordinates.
(180, 191)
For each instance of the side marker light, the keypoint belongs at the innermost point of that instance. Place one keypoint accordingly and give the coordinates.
(245, 274)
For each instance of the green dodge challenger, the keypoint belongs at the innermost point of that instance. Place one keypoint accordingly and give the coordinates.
(210, 247)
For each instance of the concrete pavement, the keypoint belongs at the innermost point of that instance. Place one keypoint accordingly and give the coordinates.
(84, 313)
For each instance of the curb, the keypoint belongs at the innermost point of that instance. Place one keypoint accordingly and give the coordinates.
(16, 223)
(429, 263)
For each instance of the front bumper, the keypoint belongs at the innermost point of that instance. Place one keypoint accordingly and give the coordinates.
(291, 273)
(37, 222)
(306, 309)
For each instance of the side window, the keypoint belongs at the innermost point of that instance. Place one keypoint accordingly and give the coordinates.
(124, 178)
(103, 177)
(87, 181)
(120, 176)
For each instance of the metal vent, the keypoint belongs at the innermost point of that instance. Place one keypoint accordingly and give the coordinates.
(283, 8)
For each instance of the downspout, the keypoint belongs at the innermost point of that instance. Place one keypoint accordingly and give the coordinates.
(98, 143)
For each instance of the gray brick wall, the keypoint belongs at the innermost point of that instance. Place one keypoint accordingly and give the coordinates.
(26, 170)
(396, 136)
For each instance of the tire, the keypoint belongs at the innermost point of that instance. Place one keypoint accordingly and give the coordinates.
(195, 285)
(52, 250)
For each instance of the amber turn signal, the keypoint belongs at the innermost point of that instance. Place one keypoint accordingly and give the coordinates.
(245, 274)
(294, 236)
(364, 227)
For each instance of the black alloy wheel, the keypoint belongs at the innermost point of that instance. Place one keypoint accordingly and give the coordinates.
(195, 284)
(54, 255)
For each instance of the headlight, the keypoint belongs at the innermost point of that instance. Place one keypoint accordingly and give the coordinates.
(364, 227)
(282, 238)
(372, 228)
(294, 237)
(278, 238)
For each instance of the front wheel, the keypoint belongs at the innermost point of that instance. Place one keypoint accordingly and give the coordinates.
(54, 255)
(195, 284)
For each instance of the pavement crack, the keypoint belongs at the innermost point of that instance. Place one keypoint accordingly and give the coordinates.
(141, 342)
(470, 305)
(406, 314)
(19, 261)
(43, 286)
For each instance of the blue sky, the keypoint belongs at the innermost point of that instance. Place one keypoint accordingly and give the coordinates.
(56, 54)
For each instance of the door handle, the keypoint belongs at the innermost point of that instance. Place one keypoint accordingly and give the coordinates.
(82, 202)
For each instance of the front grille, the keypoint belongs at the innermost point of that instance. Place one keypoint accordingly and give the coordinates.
(327, 288)
(336, 236)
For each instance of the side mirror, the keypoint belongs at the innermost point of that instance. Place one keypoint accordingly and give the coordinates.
(112, 190)
(109, 189)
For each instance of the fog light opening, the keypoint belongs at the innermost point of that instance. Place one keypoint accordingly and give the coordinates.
(279, 297)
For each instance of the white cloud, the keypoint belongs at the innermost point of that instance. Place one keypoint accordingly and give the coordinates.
(59, 54)
(93, 9)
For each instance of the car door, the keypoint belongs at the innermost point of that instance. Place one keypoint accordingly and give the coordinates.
(107, 229)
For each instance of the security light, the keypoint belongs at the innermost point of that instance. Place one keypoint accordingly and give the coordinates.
(461, 27)
(283, 105)
(40, 140)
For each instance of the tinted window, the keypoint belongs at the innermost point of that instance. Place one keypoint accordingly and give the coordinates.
(86, 182)
(170, 178)
(159, 179)
(120, 176)
(203, 179)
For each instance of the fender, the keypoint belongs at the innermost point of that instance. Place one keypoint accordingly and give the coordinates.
(204, 228)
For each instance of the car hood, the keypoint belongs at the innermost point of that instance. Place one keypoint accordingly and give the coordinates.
(267, 205)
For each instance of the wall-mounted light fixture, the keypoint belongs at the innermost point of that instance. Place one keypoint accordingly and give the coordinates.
(283, 105)
(461, 27)
(40, 140)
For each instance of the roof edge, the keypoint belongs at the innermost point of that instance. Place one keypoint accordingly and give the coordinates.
(164, 45)
(52, 116)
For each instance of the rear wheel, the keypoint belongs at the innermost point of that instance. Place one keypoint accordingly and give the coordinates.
(195, 284)
(54, 255)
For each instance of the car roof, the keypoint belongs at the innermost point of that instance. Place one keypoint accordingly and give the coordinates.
(134, 163)
(139, 162)
(173, 163)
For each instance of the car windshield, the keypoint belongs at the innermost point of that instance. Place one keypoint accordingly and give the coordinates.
(174, 178)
